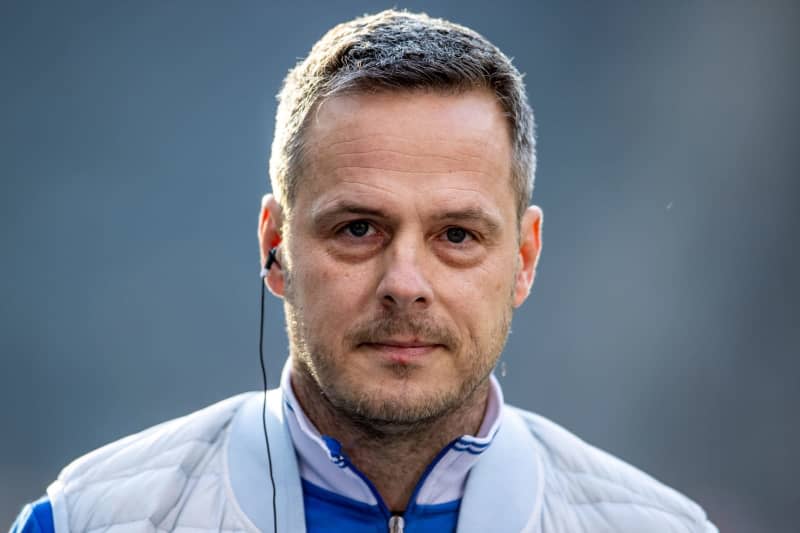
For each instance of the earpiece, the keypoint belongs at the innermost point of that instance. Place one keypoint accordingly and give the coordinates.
(272, 259)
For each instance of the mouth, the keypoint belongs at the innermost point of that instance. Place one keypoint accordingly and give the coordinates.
(403, 351)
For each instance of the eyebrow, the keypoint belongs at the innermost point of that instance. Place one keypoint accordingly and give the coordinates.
(330, 213)
(471, 214)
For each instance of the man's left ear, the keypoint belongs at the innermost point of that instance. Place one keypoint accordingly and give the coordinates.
(530, 246)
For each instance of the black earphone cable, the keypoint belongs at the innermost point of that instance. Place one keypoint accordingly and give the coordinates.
(264, 403)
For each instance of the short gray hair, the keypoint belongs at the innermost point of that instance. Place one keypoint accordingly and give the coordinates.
(396, 51)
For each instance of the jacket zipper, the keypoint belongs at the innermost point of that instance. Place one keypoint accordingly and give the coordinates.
(396, 524)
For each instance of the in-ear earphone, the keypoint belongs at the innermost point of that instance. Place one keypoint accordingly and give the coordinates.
(271, 259)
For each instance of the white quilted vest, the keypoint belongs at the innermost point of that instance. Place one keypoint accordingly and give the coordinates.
(174, 477)
(535, 477)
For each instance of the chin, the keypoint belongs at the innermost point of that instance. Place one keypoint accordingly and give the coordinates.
(396, 400)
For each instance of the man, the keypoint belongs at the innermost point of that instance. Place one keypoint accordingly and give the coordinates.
(400, 239)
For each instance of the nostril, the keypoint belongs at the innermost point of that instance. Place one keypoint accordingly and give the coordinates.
(404, 285)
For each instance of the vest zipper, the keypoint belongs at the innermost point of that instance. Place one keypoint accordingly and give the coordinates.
(396, 524)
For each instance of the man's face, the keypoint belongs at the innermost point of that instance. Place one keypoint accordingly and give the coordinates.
(402, 256)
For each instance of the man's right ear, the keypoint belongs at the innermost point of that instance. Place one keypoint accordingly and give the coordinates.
(270, 220)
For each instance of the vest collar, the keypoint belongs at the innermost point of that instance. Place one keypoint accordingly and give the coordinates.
(248, 473)
(508, 482)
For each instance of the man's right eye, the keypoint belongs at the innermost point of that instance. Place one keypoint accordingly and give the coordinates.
(358, 228)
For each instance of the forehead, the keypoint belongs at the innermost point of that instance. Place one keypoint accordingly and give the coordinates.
(400, 143)
(424, 115)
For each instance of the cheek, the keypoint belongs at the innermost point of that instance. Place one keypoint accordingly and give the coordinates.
(474, 301)
(488, 286)
(484, 300)
(333, 291)
(345, 282)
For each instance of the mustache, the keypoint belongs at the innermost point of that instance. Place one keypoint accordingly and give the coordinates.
(424, 328)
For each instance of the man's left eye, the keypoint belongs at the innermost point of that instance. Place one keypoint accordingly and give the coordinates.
(456, 235)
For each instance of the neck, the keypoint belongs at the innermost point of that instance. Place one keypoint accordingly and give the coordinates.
(393, 458)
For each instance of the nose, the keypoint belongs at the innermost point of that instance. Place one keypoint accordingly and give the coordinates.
(404, 286)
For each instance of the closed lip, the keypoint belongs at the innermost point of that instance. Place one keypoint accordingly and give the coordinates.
(403, 352)
(400, 343)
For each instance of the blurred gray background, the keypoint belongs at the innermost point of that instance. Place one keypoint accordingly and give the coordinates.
(663, 325)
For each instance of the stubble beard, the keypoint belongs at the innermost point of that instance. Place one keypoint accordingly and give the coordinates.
(373, 410)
